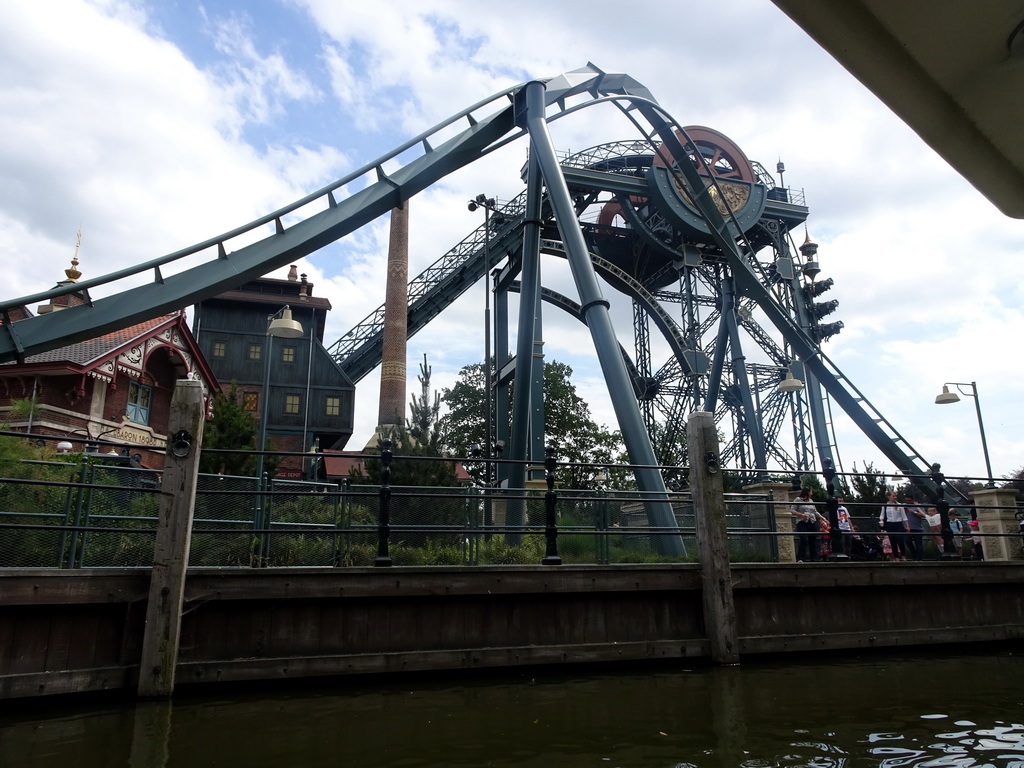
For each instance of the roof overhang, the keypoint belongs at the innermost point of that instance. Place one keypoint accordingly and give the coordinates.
(944, 67)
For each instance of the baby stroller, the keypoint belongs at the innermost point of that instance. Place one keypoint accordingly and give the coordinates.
(865, 546)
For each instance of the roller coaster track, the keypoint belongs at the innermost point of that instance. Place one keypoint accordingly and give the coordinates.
(314, 221)
(300, 228)
(358, 351)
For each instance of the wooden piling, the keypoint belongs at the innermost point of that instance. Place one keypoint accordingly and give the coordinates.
(173, 537)
(708, 495)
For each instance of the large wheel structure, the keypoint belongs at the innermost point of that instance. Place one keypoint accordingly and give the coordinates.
(681, 287)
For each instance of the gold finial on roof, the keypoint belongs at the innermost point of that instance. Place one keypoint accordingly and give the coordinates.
(73, 273)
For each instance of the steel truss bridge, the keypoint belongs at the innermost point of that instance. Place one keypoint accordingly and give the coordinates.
(677, 219)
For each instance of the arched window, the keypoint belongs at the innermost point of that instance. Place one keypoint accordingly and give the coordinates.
(140, 397)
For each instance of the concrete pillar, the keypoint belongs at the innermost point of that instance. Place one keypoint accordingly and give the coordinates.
(780, 495)
(997, 513)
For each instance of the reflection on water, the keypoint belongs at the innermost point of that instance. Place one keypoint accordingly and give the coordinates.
(921, 710)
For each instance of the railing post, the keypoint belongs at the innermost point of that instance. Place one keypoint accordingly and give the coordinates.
(471, 540)
(256, 550)
(383, 559)
(340, 520)
(173, 538)
(550, 512)
(268, 512)
(76, 518)
(83, 519)
(837, 538)
(942, 507)
(712, 542)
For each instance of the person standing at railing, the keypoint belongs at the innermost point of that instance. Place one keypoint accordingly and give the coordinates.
(934, 521)
(843, 516)
(915, 527)
(893, 520)
(956, 527)
(979, 553)
(806, 518)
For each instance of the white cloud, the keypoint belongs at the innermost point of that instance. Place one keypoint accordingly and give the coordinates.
(260, 85)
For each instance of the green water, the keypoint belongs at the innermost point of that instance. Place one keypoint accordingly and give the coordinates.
(915, 709)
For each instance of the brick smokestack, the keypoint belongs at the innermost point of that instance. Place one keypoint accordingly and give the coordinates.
(396, 314)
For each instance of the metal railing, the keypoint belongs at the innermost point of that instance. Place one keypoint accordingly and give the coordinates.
(86, 514)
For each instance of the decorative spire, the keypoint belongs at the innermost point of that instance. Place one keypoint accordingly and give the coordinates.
(810, 253)
(810, 248)
(73, 273)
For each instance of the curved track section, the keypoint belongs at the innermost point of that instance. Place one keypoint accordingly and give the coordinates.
(298, 229)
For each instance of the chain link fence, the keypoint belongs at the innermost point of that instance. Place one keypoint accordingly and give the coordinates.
(86, 515)
(94, 514)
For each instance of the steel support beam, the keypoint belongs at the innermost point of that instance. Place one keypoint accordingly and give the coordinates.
(595, 311)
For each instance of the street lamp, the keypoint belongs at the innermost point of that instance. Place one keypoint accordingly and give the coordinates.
(489, 206)
(283, 327)
(286, 328)
(495, 451)
(791, 383)
(946, 397)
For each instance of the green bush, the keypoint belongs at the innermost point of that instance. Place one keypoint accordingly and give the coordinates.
(293, 550)
(498, 552)
(443, 554)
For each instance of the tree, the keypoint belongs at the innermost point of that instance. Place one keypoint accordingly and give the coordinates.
(870, 490)
(14, 450)
(424, 414)
(418, 465)
(413, 446)
(232, 428)
(463, 424)
(414, 464)
(1015, 480)
(568, 426)
(818, 490)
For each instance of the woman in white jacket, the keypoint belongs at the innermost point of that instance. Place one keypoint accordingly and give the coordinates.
(893, 520)
(806, 518)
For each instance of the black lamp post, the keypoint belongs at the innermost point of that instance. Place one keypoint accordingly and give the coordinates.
(495, 450)
(282, 325)
(551, 556)
(946, 398)
(490, 211)
(948, 549)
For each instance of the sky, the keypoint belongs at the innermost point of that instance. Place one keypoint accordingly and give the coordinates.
(154, 125)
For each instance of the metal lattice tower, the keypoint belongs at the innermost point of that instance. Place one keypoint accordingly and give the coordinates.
(638, 219)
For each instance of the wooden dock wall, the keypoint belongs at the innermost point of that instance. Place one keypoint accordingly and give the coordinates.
(79, 631)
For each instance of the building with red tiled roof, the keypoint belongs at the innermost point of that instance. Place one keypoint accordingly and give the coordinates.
(116, 387)
(340, 464)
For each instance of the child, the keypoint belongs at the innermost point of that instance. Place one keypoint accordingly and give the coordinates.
(979, 553)
(933, 520)
(956, 526)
